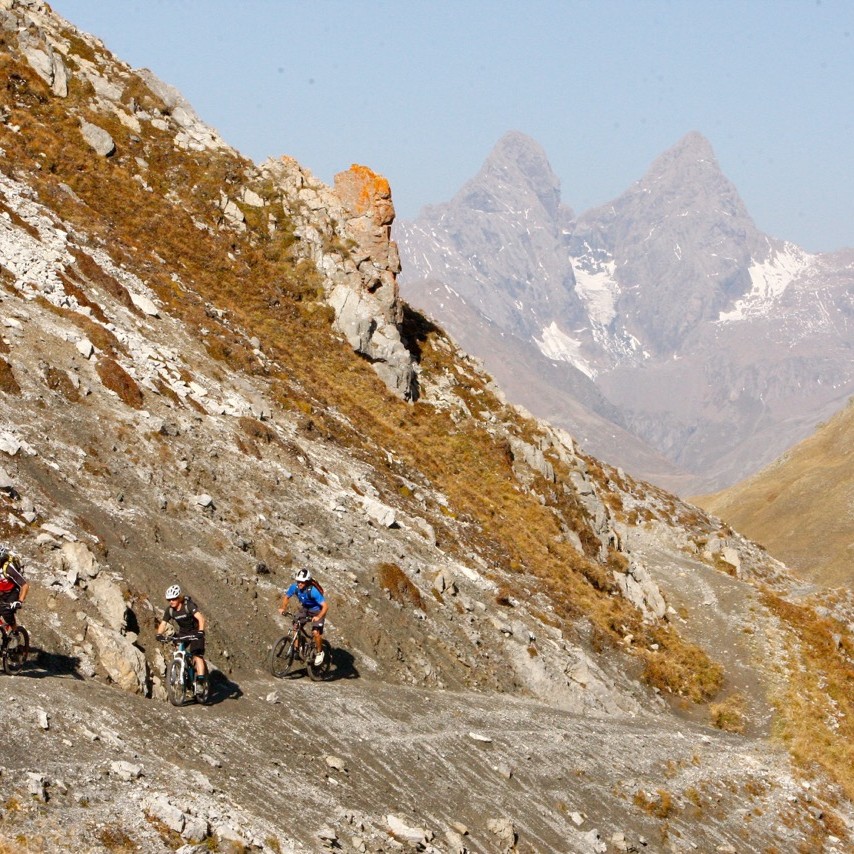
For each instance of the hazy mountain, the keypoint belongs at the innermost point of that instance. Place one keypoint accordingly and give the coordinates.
(717, 346)
(207, 377)
(800, 507)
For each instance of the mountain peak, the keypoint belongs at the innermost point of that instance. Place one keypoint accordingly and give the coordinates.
(691, 162)
(694, 144)
(516, 168)
(518, 146)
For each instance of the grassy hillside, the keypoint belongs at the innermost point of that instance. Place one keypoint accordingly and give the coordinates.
(801, 508)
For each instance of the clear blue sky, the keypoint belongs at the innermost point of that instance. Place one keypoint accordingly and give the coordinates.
(422, 91)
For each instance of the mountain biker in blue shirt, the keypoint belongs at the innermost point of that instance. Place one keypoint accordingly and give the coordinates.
(312, 606)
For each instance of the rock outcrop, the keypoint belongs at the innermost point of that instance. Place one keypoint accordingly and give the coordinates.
(346, 233)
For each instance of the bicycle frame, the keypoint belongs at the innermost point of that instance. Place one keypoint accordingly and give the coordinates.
(181, 655)
(298, 644)
(181, 674)
(302, 640)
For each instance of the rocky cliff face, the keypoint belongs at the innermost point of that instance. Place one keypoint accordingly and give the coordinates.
(667, 293)
(203, 373)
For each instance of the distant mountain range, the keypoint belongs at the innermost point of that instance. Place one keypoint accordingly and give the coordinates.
(663, 329)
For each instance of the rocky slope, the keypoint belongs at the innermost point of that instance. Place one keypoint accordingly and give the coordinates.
(665, 312)
(207, 376)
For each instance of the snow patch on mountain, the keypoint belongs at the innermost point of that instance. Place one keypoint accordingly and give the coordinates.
(598, 290)
(769, 280)
(560, 347)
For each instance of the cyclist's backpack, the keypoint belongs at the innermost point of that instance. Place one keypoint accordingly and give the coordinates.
(317, 587)
(7, 559)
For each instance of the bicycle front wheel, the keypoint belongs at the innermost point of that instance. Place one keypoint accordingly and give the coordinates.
(175, 686)
(282, 657)
(17, 650)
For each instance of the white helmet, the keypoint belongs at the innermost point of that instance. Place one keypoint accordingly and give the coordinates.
(173, 592)
(302, 575)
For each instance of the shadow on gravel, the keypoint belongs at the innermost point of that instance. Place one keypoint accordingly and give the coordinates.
(343, 666)
(41, 664)
(222, 688)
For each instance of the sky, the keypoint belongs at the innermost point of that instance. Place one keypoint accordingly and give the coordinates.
(421, 91)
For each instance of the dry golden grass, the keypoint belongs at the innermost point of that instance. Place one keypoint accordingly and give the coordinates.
(660, 804)
(89, 270)
(393, 579)
(117, 379)
(815, 710)
(8, 383)
(796, 507)
(729, 714)
(59, 381)
(116, 840)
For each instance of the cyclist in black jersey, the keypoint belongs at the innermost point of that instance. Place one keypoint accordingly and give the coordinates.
(184, 612)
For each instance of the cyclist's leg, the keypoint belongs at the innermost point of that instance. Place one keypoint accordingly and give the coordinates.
(7, 617)
(197, 650)
(317, 634)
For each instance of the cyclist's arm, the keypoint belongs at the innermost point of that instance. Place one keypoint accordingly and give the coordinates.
(324, 607)
(22, 593)
(164, 623)
(200, 620)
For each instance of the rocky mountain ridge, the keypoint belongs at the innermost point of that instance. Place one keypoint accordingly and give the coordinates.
(207, 377)
(657, 300)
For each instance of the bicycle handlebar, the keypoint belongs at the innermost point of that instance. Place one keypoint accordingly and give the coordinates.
(176, 639)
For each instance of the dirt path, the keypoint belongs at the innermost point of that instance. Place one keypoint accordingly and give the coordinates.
(432, 758)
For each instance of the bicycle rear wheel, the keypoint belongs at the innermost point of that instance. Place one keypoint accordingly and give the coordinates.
(318, 671)
(175, 686)
(17, 650)
(282, 657)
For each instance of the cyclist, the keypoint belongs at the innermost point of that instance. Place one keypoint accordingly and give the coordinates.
(13, 586)
(313, 606)
(191, 626)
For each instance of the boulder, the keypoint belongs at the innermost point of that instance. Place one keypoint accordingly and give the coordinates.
(98, 139)
(75, 558)
(159, 807)
(124, 663)
(45, 62)
(110, 601)
(145, 305)
(504, 830)
(400, 830)
(638, 586)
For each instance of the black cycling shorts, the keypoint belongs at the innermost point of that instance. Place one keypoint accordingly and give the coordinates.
(305, 617)
(196, 646)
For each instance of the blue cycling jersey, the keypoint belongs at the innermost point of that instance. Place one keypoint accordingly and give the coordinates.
(309, 597)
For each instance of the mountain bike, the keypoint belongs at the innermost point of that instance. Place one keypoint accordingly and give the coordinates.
(298, 645)
(14, 647)
(181, 674)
